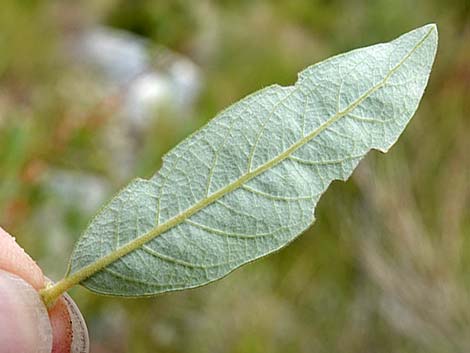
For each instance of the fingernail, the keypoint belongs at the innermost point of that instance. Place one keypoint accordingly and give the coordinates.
(80, 339)
(24, 322)
(70, 334)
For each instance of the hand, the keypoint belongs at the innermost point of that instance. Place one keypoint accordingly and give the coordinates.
(26, 326)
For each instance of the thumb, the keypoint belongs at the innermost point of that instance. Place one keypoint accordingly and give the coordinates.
(24, 322)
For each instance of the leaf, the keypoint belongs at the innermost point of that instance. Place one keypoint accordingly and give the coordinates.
(247, 183)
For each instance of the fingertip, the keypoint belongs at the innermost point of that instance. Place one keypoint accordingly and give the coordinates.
(15, 260)
(24, 321)
(25, 324)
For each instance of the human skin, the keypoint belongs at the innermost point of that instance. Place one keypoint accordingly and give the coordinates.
(25, 323)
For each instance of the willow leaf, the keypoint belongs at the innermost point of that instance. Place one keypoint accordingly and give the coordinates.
(247, 183)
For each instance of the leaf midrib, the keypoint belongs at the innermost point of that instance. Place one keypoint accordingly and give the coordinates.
(87, 271)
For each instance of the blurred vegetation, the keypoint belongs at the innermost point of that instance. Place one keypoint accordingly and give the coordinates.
(386, 266)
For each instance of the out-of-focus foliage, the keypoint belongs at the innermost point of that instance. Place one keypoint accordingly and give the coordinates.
(386, 266)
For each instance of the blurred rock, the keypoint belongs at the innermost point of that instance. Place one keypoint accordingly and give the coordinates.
(141, 80)
(118, 55)
(148, 77)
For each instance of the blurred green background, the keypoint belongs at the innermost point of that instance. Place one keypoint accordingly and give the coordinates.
(386, 267)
